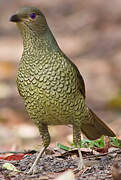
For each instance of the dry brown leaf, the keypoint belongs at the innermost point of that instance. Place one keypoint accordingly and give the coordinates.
(116, 171)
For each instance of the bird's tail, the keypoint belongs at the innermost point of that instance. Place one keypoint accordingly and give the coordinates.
(95, 128)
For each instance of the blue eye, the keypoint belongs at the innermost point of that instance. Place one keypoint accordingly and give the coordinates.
(33, 15)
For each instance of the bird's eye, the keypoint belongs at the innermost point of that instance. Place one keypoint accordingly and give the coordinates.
(33, 15)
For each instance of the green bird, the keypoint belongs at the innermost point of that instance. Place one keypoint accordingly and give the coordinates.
(51, 86)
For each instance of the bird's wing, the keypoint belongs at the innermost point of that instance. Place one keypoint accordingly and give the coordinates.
(81, 84)
(80, 80)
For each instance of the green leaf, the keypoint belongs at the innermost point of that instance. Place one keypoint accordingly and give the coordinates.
(66, 148)
(115, 141)
(10, 167)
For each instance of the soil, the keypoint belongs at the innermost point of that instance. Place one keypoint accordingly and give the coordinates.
(89, 33)
(50, 166)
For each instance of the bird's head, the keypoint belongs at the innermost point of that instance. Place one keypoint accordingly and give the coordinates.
(30, 18)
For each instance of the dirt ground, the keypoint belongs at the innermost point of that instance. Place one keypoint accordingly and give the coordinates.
(50, 166)
(89, 33)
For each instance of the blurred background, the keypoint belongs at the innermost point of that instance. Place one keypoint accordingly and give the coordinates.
(89, 32)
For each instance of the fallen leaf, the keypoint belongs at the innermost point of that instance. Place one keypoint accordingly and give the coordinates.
(10, 167)
(116, 171)
(106, 147)
(14, 157)
(66, 175)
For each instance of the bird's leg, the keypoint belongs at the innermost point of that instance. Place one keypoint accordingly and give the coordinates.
(43, 129)
(77, 141)
(32, 169)
(81, 162)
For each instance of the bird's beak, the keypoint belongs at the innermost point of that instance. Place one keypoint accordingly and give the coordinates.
(15, 18)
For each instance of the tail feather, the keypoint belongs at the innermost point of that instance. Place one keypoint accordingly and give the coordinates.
(96, 128)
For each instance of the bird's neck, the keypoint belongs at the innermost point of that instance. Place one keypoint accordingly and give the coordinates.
(42, 43)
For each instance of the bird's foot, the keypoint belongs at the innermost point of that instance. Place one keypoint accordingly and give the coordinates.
(81, 164)
(33, 168)
(80, 167)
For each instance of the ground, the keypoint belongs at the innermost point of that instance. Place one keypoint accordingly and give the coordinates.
(55, 162)
(89, 33)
